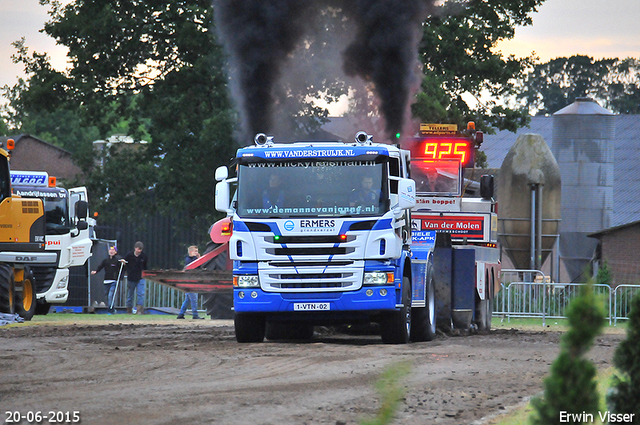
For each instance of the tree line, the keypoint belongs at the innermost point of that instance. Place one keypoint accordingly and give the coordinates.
(156, 72)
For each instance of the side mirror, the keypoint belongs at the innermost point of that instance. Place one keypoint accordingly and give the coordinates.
(486, 186)
(222, 195)
(406, 194)
(222, 173)
(82, 225)
(82, 209)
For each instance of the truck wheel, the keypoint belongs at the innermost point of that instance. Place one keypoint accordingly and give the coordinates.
(395, 327)
(484, 310)
(26, 296)
(484, 313)
(7, 290)
(249, 327)
(423, 320)
(294, 331)
(219, 306)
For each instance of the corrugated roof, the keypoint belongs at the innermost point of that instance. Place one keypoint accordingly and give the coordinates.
(626, 184)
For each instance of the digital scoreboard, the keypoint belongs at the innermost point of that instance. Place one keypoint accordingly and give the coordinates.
(440, 148)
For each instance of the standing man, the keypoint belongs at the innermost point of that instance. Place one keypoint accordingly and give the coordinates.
(111, 266)
(190, 298)
(135, 263)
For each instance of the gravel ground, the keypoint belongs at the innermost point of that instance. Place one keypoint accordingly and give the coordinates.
(129, 372)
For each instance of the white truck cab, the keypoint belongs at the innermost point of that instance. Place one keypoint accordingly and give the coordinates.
(68, 233)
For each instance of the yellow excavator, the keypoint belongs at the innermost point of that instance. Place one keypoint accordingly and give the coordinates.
(22, 243)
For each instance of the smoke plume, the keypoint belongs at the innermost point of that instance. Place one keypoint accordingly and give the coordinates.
(259, 36)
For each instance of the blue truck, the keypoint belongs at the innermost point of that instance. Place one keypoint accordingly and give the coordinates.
(322, 235)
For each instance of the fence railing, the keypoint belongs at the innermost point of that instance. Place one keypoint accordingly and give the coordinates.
(516, 299)
(622, 295)
(156, 296)
(550, 300)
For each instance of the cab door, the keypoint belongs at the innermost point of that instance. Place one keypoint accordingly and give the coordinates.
(80, 247)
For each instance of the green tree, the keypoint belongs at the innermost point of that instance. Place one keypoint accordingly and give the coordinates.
(550, 86)
(4, 130)
(154, 69)
(604, 275)
(457, 51)
(44, 107)
(624, 396)
(571, 386)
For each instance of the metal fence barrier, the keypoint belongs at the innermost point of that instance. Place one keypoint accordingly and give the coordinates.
(529, 298)
(516, 298)
(156, 296)
(550, 301)
(622, 301)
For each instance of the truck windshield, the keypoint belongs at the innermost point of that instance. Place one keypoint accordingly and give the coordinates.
(436, 177)
(55, 207)
(313, 188)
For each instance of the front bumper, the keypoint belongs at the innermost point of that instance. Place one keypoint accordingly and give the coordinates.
(256, 300)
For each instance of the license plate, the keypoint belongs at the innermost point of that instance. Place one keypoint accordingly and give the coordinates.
(311, 306)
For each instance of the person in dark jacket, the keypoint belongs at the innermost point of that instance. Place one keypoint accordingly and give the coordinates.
(190, 298)
(135, 263)
(111, 267)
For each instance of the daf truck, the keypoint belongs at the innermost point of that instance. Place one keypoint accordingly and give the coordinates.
(67, 234)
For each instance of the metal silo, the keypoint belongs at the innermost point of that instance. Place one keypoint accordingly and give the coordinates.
(583, 135)
(529, 167)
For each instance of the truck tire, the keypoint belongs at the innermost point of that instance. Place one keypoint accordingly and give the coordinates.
(484, 314)
(249, 327)
(395, 327)
(484, 309)
(293, 331)
(423, 319)
(219, 306)
(26, 296)
(7, 290)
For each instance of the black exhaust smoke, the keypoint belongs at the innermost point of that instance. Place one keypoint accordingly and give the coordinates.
(260, 34)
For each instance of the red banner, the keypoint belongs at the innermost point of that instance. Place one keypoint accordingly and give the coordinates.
(459, 226)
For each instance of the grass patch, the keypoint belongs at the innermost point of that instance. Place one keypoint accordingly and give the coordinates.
(390, 391)
(558, 325)
(520, 416)
(88, 319)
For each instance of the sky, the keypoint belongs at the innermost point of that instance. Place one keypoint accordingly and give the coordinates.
(595, 28)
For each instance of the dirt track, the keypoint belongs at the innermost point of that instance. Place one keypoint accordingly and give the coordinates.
(196, 373)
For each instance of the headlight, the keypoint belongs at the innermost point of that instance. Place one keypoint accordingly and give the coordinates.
(378, 278)
(246, 281)
(63, 283)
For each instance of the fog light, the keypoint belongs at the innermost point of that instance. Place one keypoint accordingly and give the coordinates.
(241, 295)
(254, 294)
(383, 292)
(369, 292)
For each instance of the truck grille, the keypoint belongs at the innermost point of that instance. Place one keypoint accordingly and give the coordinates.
(311, 251)
(309, 263)
(43, 276)
(318, 277)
